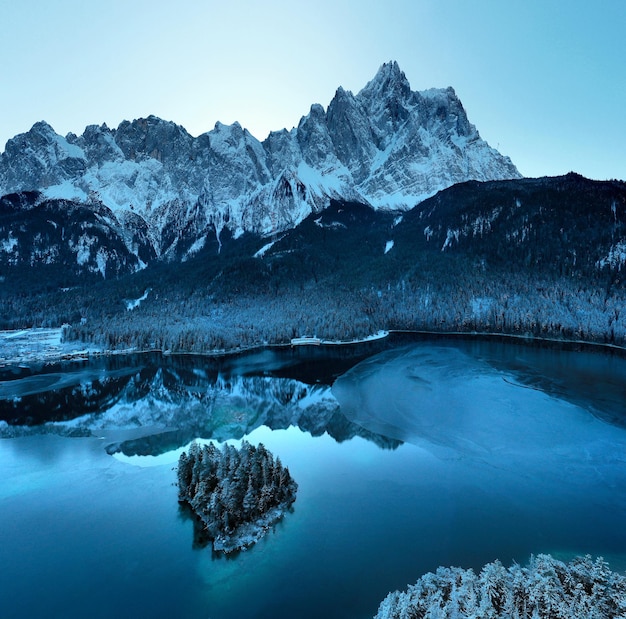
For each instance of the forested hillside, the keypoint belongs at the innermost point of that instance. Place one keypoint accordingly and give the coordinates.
(534, 256)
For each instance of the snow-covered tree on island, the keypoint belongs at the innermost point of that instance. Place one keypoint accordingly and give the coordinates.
(237, 494)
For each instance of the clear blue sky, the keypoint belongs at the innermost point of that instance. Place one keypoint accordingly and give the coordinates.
(544, 81)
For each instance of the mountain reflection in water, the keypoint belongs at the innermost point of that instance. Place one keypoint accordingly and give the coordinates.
(166, 402)
(461, 393)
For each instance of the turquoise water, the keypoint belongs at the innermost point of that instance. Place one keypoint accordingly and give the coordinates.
(86, 534)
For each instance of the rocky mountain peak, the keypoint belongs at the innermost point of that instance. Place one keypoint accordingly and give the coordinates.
(98, 143)
(387, 146)
(152, 137)
(390, 82)
(38, 159)
(41, 128)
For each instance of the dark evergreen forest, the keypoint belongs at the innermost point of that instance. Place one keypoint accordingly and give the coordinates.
(236, 493)
(538, 257)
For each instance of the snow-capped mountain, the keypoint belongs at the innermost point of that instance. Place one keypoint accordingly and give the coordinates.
(387, 146)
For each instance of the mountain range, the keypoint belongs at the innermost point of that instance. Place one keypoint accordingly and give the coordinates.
(384, 211)
(157, 192)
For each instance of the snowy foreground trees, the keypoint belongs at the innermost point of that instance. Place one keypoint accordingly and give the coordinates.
(238, 494)
(546, 588)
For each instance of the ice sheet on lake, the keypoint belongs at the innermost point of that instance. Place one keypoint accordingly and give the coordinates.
(440, 397)
(39, 345)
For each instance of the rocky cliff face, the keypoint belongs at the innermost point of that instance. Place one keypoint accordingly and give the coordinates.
(387, 146)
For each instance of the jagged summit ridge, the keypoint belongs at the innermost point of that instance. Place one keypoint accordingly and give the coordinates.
(387, 146)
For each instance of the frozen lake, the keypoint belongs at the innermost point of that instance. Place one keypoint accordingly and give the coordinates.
(437, 453)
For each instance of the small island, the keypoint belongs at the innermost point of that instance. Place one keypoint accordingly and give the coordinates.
(237, 494)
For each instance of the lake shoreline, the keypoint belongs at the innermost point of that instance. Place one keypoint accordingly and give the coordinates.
(56, 353)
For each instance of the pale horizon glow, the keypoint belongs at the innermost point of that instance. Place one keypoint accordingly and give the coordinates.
(542, 81)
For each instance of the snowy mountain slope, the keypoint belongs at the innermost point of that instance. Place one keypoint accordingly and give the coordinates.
(542, 256)
(63, 238)
(386, 146)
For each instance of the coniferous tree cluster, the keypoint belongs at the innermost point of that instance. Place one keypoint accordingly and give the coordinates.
(545, 589)
(236, 493)
(500, 302)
